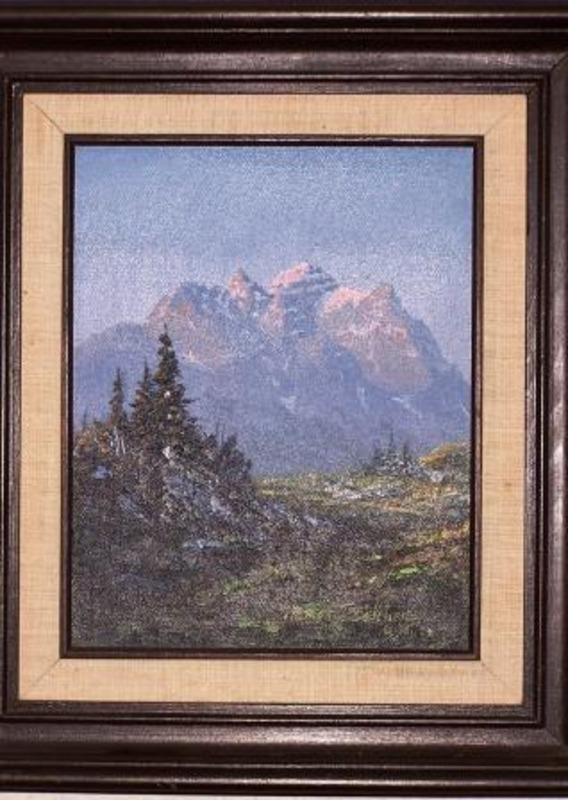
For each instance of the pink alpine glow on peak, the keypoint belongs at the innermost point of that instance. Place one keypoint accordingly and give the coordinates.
(384, 292)
(302, 271)
(240, 284)
(342, 296)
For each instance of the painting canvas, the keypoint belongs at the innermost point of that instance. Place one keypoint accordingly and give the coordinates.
(270, 400)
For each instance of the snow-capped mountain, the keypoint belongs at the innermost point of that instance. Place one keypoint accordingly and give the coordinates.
(308, 373)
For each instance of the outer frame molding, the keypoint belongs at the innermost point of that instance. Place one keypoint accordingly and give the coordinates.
(496, 678)
(418, 48)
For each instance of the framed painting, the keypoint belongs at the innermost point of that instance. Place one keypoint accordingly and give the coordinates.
(259, 418)
(284, 398)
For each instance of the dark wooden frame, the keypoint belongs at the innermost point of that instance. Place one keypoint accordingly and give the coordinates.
(417, 47)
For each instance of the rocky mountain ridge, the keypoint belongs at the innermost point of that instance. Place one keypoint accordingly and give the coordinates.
(310, 374)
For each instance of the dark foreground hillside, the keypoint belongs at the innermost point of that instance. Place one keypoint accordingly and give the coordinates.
(375, 560)
(388, 570)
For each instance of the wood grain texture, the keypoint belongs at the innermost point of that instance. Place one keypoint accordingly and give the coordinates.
(348, 48)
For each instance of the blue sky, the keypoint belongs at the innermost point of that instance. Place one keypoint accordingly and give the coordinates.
(151, 217)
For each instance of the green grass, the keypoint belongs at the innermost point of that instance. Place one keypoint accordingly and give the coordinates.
(349, 561)
(393, 568)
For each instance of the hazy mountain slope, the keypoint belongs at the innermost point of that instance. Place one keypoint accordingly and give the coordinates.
(310, 374)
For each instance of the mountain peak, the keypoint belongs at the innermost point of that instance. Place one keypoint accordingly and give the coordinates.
(239, 283)
(344, 296)
(294, 274)
(244, 291)
(308, 372)
(304, 274)
(385, 293)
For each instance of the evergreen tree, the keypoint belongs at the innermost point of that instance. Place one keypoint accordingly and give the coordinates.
(117, 416)
(95, 481)
(176, 430)
(144, 442)
(232, 465)
(118, 420)
(93, 447)
(406, 455)
(378, 460)
(141, 425)
(390, 461)
(156, 457)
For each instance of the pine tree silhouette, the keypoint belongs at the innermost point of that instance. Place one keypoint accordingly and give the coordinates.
(232, 464)
(158, 456)
(176, 430)
(144, 442)
(378, 460)
(118, 420)
(142, 410)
